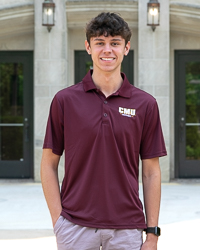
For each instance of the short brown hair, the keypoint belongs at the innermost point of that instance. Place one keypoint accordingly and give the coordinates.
(108, 24)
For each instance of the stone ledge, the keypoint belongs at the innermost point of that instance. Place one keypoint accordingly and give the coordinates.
(17, 21)
(184, 18)
(78, 13)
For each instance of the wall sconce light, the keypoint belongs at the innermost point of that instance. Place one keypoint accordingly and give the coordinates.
(48, 14)
(153, 14)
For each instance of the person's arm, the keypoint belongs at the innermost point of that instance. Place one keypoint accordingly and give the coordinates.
(50, 183)
(151, 178)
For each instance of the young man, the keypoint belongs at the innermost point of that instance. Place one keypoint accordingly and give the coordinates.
(103, 124)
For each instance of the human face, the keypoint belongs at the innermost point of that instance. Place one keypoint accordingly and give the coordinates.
(107, 53)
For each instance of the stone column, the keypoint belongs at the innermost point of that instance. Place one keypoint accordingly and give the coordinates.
(50, 71)
(153, 67)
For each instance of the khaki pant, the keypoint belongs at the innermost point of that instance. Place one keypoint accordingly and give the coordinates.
(70, 236)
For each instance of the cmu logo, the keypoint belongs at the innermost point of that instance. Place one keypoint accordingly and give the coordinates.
(127, 112)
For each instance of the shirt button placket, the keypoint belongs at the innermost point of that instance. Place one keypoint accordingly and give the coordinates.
(105, 111)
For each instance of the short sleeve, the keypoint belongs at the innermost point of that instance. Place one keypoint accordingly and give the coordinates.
(152, 143)
(54, 137)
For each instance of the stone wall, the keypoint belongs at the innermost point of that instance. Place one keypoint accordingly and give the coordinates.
(153, 67)
(50, 72)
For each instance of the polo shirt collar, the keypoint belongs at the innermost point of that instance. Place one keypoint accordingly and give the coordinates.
(124, 90)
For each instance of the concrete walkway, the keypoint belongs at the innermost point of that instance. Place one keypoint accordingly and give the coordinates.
(25, 222)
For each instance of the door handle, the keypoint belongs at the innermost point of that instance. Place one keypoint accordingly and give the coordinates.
(182, 125)
(26, 126)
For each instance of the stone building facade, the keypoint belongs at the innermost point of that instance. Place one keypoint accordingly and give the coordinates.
(156, 65)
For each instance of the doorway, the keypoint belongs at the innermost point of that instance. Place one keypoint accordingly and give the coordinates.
(16, 114)
(83, 63)
(187, 114)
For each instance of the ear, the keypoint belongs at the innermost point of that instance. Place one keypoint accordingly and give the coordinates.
(87, 47)
(127, 48)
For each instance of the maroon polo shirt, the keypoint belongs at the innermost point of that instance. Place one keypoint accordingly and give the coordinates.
(102, 139)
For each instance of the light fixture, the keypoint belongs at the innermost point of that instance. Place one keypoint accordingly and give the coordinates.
(153, 14)
(48, 14)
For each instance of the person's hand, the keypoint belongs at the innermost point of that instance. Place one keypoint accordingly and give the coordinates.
(54, 220)
(56, 216)
(150, 243)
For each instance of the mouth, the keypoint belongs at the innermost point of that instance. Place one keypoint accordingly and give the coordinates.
(107, 59)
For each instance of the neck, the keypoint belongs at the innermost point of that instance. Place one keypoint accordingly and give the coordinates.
(108, 83)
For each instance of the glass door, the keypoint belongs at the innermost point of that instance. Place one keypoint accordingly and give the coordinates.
(188, 113)
(16, 114)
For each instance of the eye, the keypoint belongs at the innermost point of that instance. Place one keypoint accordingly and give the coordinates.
(99, 43)
(115, 44)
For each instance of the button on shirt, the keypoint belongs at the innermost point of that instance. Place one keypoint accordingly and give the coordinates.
(102, 139)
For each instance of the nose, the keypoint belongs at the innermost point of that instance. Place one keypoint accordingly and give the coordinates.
(107, 48)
